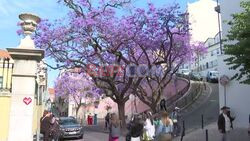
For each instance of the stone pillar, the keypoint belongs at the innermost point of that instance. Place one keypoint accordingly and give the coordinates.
(24, 86)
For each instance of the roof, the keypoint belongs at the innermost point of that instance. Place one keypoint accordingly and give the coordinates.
(4, 54)
(51, 91)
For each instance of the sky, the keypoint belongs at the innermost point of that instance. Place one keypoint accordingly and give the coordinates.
(46, 9)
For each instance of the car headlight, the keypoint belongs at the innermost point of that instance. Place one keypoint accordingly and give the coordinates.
(80, 128)
(63, 129)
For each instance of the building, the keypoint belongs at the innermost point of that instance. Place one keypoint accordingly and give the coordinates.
(203, 26)
(23, 82)
(209, 60)
(203, 20)
(237, 95)
(6, 70)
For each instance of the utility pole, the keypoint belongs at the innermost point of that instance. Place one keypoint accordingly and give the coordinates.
(217, 9)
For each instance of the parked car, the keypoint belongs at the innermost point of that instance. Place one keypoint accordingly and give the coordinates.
(196, 76)
(185, 72)
(70, 128)
(212, 76)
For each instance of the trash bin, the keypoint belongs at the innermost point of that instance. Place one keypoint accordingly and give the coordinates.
(95, 119)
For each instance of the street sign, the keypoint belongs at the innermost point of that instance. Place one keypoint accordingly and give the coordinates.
(224, 80)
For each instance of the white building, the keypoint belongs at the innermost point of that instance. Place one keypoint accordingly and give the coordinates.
(203, 24)
(203, 20)
(209, 60)
(237, 95)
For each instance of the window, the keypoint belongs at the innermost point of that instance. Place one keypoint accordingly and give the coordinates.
(211, 64)
(1, 82)
(218, 51)
(215, 63)
(212, 53)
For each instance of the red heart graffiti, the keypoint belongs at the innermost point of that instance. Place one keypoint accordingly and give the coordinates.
(27, 101)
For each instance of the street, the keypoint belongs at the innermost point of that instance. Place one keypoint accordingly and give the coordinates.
(95, 136)
(208, 106)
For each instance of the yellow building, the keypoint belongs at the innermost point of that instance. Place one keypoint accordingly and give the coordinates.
(6, 69)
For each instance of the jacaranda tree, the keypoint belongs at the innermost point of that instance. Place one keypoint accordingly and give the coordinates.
(102, 43)
(75, 87)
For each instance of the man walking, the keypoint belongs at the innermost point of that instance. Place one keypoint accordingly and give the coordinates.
(107, 119)
(225, 123)
(176, 117)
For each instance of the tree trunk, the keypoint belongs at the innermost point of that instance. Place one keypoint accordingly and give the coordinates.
(153, 108)
(77, 110)
(121, 110)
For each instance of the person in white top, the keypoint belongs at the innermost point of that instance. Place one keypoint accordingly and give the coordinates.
(149, 127)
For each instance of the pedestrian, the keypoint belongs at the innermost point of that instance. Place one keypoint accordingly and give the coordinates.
(114, 128)
(88, 119)
(54, 131)
(156, 121)
(46, 125)
(163, 105)
(225, 122)
(175, 118)
(165, 127)
(107, 119)
(45, 112)
(149, 128)
(136, 129)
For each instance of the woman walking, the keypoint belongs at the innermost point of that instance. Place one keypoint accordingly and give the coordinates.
(55, 132)
(114, 128)
(46, 125)
(165, 127)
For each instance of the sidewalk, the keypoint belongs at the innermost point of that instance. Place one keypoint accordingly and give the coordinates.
(237, 134)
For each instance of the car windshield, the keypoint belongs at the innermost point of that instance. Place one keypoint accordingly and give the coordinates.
(68, 121)
(215, 74)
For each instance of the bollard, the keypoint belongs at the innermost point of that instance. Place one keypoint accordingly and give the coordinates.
(249, 118)
(249, 125)
(183, 130)
(202, 121)
(206, 135)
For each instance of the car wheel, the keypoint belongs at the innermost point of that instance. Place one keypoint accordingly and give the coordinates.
(81, 137)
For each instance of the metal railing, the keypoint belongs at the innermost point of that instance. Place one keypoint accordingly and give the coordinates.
(180, 94)
(187, 99)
